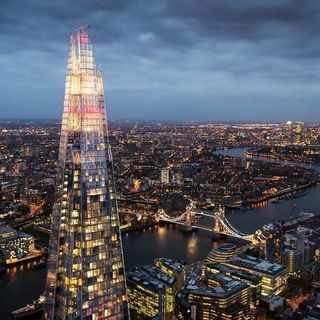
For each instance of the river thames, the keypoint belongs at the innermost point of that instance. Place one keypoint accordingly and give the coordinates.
(20, 285)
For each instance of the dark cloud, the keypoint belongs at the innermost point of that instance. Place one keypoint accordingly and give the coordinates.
(169, 59)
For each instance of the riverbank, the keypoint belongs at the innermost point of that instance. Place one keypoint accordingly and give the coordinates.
(279, 195)
(137, 227)
(293, 191)
(143, 246)
(298, 154)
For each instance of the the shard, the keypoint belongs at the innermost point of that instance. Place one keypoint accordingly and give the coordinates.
(86, 278)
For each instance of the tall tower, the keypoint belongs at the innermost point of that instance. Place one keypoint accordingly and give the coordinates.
(86, 278)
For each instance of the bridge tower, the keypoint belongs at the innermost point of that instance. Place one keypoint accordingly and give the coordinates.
(217, 226)
(188, 216)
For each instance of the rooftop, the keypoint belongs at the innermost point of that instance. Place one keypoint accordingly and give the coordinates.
(257, 264)
(6, 232)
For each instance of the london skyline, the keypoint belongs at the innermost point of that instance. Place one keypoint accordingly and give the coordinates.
(208, 61)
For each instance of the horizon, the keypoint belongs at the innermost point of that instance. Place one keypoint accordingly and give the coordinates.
(165, 122)
(210, 61)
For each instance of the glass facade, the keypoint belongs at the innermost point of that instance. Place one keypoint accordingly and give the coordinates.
(86, 278)
(14, 245)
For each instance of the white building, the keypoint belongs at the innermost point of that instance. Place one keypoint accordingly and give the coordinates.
(165, 176)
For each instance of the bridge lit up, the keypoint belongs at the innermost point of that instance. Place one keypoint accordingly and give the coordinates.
(221, 225)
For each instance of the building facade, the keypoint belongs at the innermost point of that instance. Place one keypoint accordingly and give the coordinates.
(274, 276)
(86, 278)
(210, 294)
(14, 245)
(153, 289)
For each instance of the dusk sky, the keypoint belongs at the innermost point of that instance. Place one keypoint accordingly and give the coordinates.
(205, 60)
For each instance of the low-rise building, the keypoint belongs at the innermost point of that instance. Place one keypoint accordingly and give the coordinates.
(14, 245)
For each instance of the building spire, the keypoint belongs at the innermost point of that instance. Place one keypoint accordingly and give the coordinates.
(83, 28)
(86, 277)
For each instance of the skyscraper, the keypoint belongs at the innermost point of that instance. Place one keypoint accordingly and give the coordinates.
(86, 278)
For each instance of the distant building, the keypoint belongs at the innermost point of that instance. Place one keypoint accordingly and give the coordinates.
(178, 179)
(152, 289)
(272, 302)
(165, 176)
(14, 245)
(287, 132)
(26, 150)
(299, 133)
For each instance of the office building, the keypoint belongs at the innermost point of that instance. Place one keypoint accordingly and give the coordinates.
(274, 276)
(274, 246)
(14, 245)
(213, 295)
(152, 289)
(221, 254)
(86, 278)
(298, 250)
(254, 281)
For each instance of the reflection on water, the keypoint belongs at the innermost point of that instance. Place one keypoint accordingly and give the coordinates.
(25, 284)
(21, 285)
(251, 220)
(192, 244)
(259, 204)
(160, 232)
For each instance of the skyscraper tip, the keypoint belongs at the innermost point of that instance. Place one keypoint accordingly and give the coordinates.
(83, 28)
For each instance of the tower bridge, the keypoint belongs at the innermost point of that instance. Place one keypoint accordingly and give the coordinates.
(221, 225)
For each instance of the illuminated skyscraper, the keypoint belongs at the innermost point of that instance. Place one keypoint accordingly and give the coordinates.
(86, 278)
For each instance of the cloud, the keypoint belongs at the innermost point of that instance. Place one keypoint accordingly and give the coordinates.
(172, 55)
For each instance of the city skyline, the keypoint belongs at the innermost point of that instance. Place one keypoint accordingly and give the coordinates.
(202, 61)
(178, 179)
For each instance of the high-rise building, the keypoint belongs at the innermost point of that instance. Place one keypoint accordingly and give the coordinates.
(274, 245)
(298, 250)
(287, 132)
(86, 278)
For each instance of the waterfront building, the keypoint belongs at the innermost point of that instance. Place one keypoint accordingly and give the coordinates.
(221, 254)
(86, 277)
(152, 289)
(14, 245)
(274, 276)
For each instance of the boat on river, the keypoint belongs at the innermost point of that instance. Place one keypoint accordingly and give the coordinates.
(30, 309)
(41, 264)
